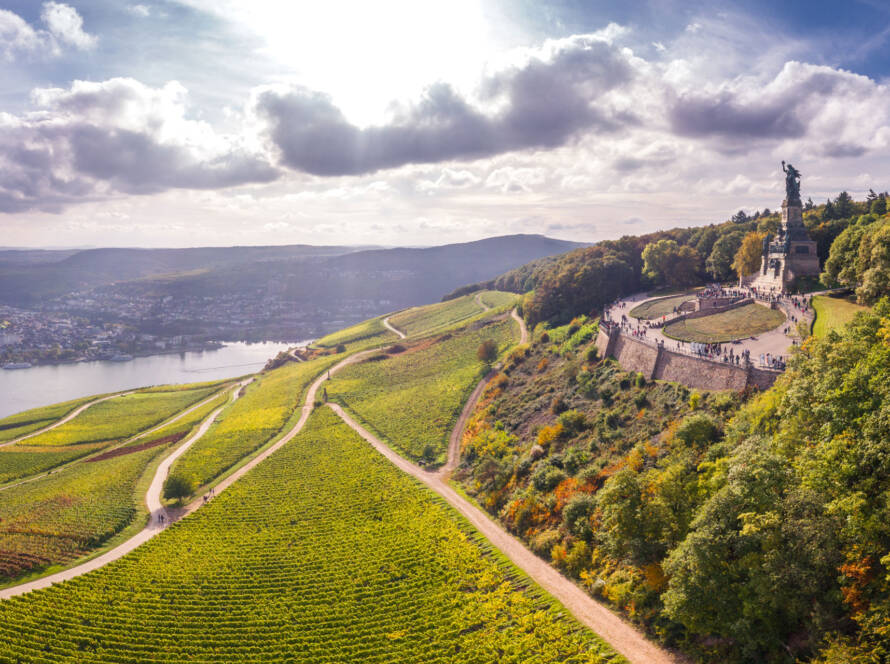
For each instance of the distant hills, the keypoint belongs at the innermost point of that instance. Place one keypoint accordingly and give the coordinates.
(327, 284)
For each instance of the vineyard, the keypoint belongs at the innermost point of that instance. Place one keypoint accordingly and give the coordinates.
(251, 422)
(326, 553)
(413, 398)
(57, 518)
(28, 421)
(364, 335)
(121, 418)
(436, 317)
(498, 299)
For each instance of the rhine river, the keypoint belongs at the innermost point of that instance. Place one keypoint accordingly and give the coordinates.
(21, 389)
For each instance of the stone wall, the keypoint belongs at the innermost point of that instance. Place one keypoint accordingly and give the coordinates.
(661, 364)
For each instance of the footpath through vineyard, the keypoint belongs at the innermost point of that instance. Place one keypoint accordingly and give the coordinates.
(70, 416)
(617, 632)
(152, 499)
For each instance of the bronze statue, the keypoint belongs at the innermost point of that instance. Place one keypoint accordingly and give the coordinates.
(792, 184)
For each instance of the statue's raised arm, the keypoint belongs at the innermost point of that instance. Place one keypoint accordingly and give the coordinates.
(792, 184)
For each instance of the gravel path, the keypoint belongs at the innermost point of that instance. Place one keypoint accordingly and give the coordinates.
(619, 634)
(482, 304)
(154, 526)
(391, 328)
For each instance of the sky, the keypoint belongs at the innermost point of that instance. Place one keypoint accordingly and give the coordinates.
(165, 123)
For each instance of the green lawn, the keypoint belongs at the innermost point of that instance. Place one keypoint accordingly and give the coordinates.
(833, 312)
(324, 553)
(657, 308)
(498, 299)
(412, 399)
(746, 321)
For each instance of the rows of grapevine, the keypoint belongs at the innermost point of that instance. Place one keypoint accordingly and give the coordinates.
(97, 427)
(498, 299)
(28, 421)
(269, 403)
(412, 399)
(56, 518)
(436, 317)
(121, 417)
(363, 335)
(325, 553)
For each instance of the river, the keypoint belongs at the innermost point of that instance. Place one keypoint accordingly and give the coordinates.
(21, 389)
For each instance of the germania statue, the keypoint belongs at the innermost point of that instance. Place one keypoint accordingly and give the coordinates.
(792, 184)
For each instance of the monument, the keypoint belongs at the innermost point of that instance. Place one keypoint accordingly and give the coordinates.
(791, 253)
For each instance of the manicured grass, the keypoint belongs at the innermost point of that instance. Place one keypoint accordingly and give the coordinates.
(412, 399)
(661, 307)
(325, 553)
(436, 317)
(833, 312)
(746, 321)
(37, 418)
(121, 417)
(269, 404)
(363, 335)
(57, 518)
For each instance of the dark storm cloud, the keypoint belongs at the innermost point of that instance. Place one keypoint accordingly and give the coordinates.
(544, 104)
(101, 138)
(724, 116)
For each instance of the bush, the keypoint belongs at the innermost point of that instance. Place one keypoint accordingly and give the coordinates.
(558, 405)
(697, 430)
(487, 352)
(593, 354)
(573, 422)
(341, 348)
(576, 516)
(547, 478)
(177, 487)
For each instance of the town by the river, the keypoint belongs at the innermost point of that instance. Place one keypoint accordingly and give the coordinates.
(22, 389)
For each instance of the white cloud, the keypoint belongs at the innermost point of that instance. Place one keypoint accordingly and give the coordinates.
(66, 25)
(139, 10)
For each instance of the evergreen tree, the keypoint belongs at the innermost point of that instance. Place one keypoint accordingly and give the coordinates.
(828, 212)
(809, 205)
(843, 205)
(739, 217)
(879, 206)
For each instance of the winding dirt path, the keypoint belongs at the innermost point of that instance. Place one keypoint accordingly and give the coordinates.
(154, 526)
(392, 328)
(458, 431)
(482, 304)
(59, 469)
(619, 634)
(70, 416)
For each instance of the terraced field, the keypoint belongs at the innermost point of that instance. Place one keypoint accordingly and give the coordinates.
(364, 335)
(325, 553)
(121, 418)
(28, 421)
(436, 317)
(54, 519)
(413, 398)
(498, 299)
(256, 418)
(94, 429)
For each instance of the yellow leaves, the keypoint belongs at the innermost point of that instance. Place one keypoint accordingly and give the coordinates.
(548, 434)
